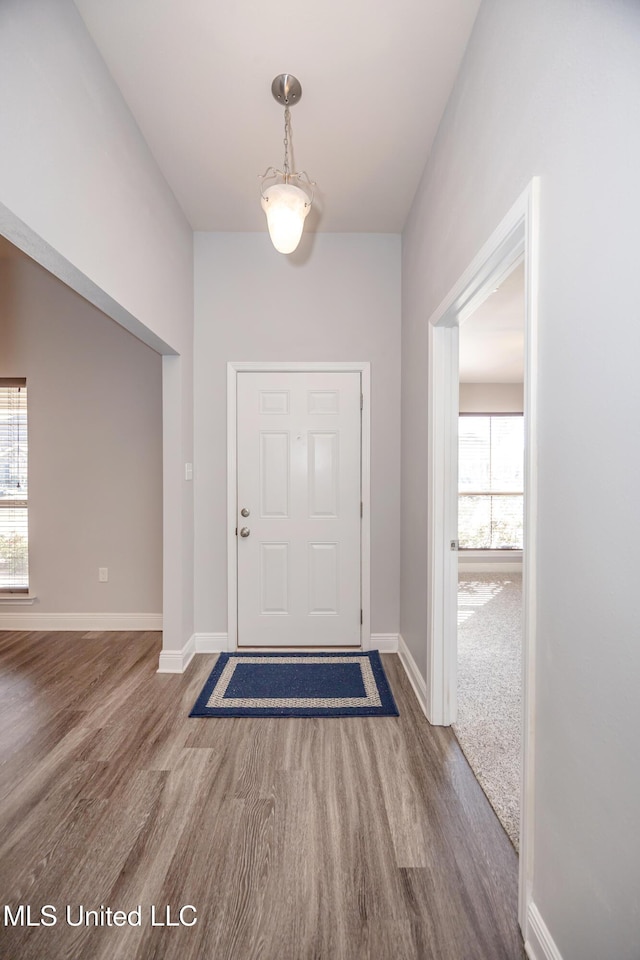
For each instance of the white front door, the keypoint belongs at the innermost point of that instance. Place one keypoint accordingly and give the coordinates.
(298, 503)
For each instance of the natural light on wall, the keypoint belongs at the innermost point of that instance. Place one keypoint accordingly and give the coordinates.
(14, 560)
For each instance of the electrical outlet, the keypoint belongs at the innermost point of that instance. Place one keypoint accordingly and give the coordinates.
(103, 574)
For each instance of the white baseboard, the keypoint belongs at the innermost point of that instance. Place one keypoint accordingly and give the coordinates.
(212, 642)
(416, 679)
(497, 566)
(177, 661)
(539, 944)
(385, 642)
(26, 620)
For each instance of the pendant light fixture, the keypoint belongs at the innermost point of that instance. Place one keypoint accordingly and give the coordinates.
(284, 200)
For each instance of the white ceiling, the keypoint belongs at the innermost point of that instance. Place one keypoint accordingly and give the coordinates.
(492, 339)
(375, 78)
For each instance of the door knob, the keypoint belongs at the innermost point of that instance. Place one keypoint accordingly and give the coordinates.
(244, 512)
(245, 532)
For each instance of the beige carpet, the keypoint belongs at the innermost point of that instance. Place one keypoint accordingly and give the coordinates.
(489, 688)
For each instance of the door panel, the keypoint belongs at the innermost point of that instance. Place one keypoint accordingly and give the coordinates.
(274, 474)
(274, 578)
(299, 477)
(324, 474)
(323, 578)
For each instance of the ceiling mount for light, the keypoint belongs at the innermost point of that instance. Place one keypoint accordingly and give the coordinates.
(286, 89)
(284, 201)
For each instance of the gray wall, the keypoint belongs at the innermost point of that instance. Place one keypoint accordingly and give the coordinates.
(553, 89)
(95, 447)
(338, 299)
(81, 191)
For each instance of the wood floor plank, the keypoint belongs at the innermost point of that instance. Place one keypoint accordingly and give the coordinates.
(294, 838)
(402, 801)
(184, 791)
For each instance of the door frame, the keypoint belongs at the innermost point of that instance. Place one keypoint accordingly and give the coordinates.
(516, 239)
(234, 367)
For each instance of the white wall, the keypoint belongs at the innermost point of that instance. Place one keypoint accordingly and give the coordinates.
(78, 172)
(339, 299)
(95, 448)
(491, 398)
(553, 89)
(81, 193)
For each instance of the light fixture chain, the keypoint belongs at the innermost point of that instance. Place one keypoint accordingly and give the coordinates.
(287, 135)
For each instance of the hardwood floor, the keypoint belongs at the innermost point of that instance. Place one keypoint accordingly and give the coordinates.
(295, 839)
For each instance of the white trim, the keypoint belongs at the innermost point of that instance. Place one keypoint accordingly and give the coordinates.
(232, 507)
(514, 240)
(442, 521)
(385, 642)
(177, 661)
(539, 944)
(530, 554)
(233, 368)
(495, 566)
(211, 642)
(294, 366)
(80, 621)
(416, 679)
(365, 495)
(17, 600)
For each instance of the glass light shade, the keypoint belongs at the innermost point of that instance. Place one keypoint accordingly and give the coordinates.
(286, 207)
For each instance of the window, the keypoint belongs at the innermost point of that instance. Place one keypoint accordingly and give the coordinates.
(490, 481)
(14, 558)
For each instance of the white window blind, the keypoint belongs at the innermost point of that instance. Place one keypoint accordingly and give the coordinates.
(490, 482)
(14, 558)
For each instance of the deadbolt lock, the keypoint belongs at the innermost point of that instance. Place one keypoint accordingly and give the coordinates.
(244, 512)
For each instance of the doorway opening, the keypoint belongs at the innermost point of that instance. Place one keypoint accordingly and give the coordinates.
(490, 546)
(514, 240)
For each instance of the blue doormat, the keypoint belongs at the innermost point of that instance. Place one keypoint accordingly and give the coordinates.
(296, 685)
